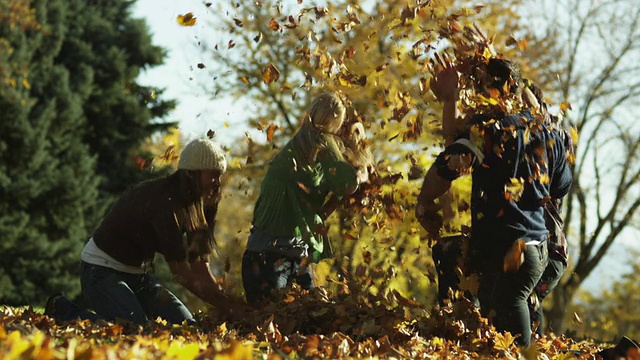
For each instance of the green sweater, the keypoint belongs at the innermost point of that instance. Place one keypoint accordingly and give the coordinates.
(289, 207)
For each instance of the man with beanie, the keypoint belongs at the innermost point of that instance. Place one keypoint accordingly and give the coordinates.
(173, 216)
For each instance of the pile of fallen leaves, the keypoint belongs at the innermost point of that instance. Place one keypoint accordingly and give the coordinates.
(301, 324)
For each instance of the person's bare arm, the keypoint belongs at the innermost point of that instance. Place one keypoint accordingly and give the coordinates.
(433, 187)
(197, 278)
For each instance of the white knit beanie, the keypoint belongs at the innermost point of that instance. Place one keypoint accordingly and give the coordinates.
(202, 154)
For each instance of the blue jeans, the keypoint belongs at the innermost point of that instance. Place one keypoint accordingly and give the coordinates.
(263, 272)
(114, 294)
(506, 294)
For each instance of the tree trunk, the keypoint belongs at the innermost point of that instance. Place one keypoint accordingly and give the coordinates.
(556, 316)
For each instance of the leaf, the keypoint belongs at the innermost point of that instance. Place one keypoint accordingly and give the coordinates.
(211, 134)
(564, 106)
(201, 66)
(231, 44)
(515, 256)
(270, 74)
(574, 134)
(258, 37)
(303, 187)
(514, 189)
(142, 163)
(274, 25)
(187, 19)
(226, 124)
(503, 341)
(577, 320)
(270, 130)
(522, 45)
(238, 22)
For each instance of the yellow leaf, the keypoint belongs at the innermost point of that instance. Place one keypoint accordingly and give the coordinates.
(503, 341)
(187, 19)
(514, 189)
(487, 53)
(179, 350)
(574, 134)
(522, 45)
(564, 106)
(226, 124)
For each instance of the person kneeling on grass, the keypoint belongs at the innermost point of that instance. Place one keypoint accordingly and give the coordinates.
(174, 216)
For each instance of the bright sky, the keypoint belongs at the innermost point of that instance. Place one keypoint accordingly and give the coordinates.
(180, 76)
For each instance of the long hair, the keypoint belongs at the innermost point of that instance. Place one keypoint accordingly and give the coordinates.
(321, 122)
(192, 214)
(356, 149)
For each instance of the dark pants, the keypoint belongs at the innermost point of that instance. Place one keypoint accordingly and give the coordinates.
(549, 280)
(448, 257)
(263, 272)
(505, 295)
(114, 294)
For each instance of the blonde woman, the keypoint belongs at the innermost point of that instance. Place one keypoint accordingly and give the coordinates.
(288, 220)
(173, 216)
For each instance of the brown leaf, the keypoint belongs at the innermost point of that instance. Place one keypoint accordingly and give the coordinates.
(270, 74)
(274, 25)
(238, 22)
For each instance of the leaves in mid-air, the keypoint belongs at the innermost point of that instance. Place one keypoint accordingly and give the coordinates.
(187, 19)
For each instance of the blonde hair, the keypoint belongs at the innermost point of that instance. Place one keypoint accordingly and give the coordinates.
(327, 113)
(357, 151)
(323, 119)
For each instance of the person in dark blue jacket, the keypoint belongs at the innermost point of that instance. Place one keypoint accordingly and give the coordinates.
(518, 163)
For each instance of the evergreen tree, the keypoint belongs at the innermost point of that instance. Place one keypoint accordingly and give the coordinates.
(110, 48)
(48, 187)
(72, 116)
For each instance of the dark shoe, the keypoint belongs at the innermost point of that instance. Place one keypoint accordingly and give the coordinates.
(50, 306)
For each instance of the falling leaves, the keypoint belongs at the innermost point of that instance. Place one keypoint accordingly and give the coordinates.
(271, 129)
(514, 189)
(274, 25)
(564, 106)
(270, 74)
(187, 19)
(515, 256)
(142, 162)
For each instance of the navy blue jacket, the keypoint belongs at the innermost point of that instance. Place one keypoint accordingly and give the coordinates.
(513, 147)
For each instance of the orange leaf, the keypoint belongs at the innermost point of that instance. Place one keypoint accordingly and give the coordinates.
(515, 256)
(303, 187)
(270, 130)
(564, 106)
